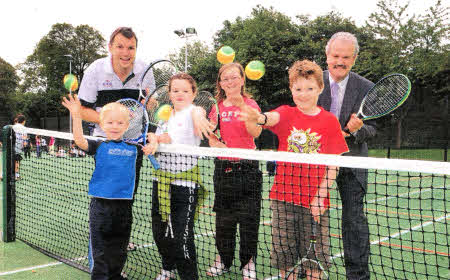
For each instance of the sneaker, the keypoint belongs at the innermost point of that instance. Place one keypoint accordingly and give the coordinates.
(249, 271)
(166, 275)
(217, 269)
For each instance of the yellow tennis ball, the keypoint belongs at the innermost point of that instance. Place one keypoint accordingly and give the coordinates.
(255, 70)
(225, 55)
(164, 112)
(70, 82)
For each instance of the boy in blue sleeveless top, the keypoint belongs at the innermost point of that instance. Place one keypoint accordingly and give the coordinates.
(112, 187)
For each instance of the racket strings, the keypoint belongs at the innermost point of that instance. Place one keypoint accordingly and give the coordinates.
(153, 104)
(138, 120)
(157, 74)
(207, 101)
(386, 96)
(162, 71)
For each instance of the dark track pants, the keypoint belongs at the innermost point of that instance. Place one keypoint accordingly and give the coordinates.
(237, 187)
(177, 250)
(109, 233)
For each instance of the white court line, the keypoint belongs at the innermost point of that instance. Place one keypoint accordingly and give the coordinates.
(375, 242)
(403, 194)
(211, 233)
(29, 268)
(425, 224)
(37, 267)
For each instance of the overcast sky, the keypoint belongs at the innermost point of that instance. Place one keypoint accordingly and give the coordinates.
(24, 23)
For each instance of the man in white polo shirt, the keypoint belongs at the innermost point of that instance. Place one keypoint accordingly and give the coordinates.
(114, 77)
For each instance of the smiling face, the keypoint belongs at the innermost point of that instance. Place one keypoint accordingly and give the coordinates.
(181, 93)
(305, 93)
(232, 81)
(114, 120)
(341, 57)
(123, 53)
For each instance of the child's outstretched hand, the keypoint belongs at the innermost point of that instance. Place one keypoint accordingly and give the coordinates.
(202, 127)
(249, 114)
(73, 104)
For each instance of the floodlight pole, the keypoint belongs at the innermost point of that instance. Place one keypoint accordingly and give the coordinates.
(188, 32)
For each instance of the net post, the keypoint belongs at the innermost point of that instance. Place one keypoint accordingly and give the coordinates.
(8, 186)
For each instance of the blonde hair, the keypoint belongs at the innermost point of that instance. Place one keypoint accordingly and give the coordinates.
(114, 106)
(306, 69)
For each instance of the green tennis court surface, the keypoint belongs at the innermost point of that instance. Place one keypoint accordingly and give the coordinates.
(408, 217)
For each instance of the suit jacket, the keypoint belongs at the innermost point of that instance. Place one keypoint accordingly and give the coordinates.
(357, 87)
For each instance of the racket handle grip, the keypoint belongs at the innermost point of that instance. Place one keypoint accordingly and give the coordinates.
(346, 130)
(154, 162)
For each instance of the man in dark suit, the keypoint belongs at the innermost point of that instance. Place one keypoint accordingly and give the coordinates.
(342, 95)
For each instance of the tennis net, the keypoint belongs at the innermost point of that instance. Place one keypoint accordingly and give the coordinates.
(407, 204)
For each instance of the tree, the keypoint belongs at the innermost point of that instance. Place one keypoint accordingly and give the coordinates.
(48, 63)
(320, 30)
(277, 41)
(414, 45)
(269, 36)
(197, 51)
(45, 68)
(201, 64)
(8, 80)
(8, 83)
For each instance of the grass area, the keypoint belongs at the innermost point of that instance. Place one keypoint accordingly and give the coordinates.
(407, 218)
(419, 154)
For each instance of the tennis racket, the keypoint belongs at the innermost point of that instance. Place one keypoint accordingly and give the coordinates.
(137, 130)
(311, 254)
(158, 73)
(207, 101)
(159, 107)
(384, 97)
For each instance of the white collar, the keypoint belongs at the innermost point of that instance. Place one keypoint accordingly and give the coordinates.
(342, 84)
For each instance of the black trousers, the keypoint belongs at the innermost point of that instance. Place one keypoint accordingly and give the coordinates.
(237, 187)
(355, 228)
(109, 233)
(176, 245)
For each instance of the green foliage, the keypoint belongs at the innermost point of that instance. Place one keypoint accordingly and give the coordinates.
(415, 45)
(268, 36)
(409, 44)
(8, 80)
(277, 41)
(41, 90)
(8, 84)
(45, 68)
(391, 41)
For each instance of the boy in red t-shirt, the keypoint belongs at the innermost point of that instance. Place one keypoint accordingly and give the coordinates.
(300, 191)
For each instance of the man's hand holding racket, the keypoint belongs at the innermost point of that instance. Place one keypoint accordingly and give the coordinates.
(353, 125)
(384, 97)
